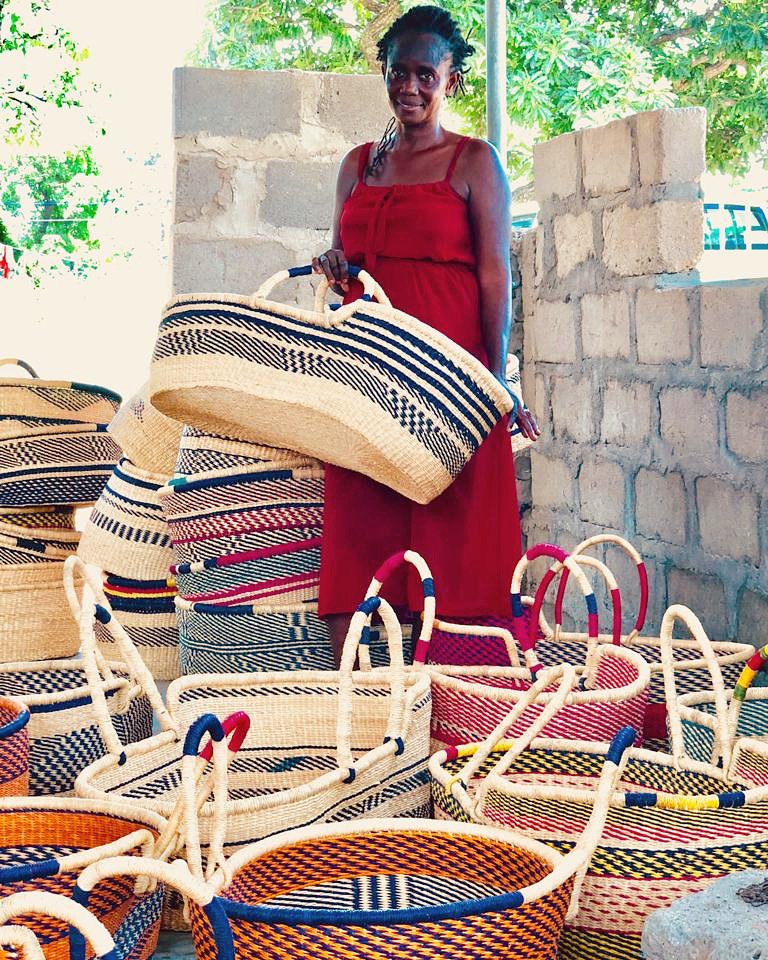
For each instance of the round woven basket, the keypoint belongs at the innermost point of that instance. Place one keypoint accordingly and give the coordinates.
(126, 532)
(204, 454)
(15, 549)
(65, 401)
(147, 437)
(35, 622)
(369, 388)
(37, 521)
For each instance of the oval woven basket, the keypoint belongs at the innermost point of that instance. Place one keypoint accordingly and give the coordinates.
(35, 623)
(37, 521)
(202, 454)
(147, 437)
(56, 465)
(126, 532)
(27, 396)
(26, 550)
(369, 388)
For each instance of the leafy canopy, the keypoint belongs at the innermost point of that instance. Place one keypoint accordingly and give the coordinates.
(568, 64)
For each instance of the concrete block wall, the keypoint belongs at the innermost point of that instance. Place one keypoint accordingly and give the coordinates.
(651, 388)
(256, 161)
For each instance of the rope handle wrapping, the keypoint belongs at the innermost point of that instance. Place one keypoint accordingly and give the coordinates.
(15, 362)
(756, 664)
(383, 573)
(528, 643)
(327, 316)
(83, 925)
(93, 604)
(480, 752)
(642, 573)
(357, 640)
(23, 941)
(677, 613)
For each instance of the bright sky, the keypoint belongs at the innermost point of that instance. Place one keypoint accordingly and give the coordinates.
(102, 330)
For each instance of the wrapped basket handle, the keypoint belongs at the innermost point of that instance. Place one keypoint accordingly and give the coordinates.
(481, 630)
(84, 926)
(371, 288)
(24, 942)
(679, 613)
(642, 573)
(14, 362)
(756, 664)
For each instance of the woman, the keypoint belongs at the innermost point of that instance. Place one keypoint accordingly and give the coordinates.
(427, 213)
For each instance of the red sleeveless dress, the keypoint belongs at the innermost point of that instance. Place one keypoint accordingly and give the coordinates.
(416, 240)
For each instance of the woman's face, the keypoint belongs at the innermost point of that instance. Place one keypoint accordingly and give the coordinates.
(418, 77)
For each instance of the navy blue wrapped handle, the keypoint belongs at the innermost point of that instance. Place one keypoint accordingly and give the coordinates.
(208, 723)
(620, 744)
(307, 270)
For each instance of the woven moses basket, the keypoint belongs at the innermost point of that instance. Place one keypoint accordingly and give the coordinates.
(367, 387)
(383, 888)
(147, 437)
(35, 402)
(673, 826)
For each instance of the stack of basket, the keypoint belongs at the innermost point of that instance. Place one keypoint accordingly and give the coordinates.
(127, 537)
(246, 526)
(55, 455)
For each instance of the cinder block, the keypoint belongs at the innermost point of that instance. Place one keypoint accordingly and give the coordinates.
(229, 266)
(352, 108)
(236, 103)
(299, 193)
(689, 422)
(753, 617)
(202, 185)
(574, 241)
(746, 424)
(552, 481)
(528, 277)
(554, 327)
(601, 488)
(663, 237)
(660, 506)
(606, 158)
(731, 323)
(728, 519)
(555, 168)
(670, 145)
(705, 595)
(573, 409)
(663, 325)
(626, 414)
(605, 324)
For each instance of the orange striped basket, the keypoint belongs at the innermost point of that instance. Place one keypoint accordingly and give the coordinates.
(14, 748)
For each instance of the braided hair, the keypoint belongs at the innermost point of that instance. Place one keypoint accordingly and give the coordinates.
(421, 19)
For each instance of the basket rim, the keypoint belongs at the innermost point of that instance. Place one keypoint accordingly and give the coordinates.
(19, 721)
(61, 384)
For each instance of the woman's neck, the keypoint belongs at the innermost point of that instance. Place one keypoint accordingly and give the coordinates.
(415, 139)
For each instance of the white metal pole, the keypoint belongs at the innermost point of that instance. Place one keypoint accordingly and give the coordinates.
(496, 75)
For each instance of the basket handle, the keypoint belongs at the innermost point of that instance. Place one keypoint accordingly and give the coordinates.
(458, 786)
(371, 289)
(93, 604)
(357, 637)
(23, 941)
(383, 573)
(756, 664)
(642, 573)
(473, 630)
(15, 362)
(84, 926)
(679, 613)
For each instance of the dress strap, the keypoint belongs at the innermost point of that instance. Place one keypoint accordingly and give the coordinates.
(362, 160)
(455, 158)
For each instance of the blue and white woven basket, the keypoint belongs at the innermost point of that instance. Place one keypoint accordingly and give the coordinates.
(32, 402)
(367, 387)
(204, 454)
(147, 437)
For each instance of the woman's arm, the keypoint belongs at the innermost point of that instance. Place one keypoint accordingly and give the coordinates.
(332, 262)
(489, 210)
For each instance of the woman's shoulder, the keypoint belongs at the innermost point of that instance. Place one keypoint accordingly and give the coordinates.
(479, 151)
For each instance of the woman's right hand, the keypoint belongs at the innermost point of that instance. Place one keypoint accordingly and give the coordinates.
(334, 265)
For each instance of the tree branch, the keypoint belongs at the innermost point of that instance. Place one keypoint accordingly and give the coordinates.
(705, 17)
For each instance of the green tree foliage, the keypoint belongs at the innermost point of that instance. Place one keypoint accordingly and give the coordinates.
(48, 202)
(569, 64)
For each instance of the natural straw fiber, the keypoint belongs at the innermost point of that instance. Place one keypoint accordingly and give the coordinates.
(369, 387)
(34, 617)
(147, 437)
(46, 842)
(54, 400)
(202, 454)
(673, 827)
(520, 443)
(56, 465)
(20, 550)
(37, 521)
(126, 532)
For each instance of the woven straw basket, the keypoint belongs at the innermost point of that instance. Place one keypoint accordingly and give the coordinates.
(40, 523)
(147, 437)
(206, 454)
(520, 443)
(126, 533)
(51, 401)
(321, 746)
(386, 888)
(14, 748)
(692, 673)
(673, 827)
(24, 550)
(34, 616)
(56, 465)
(46, 842)
(369, 387)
